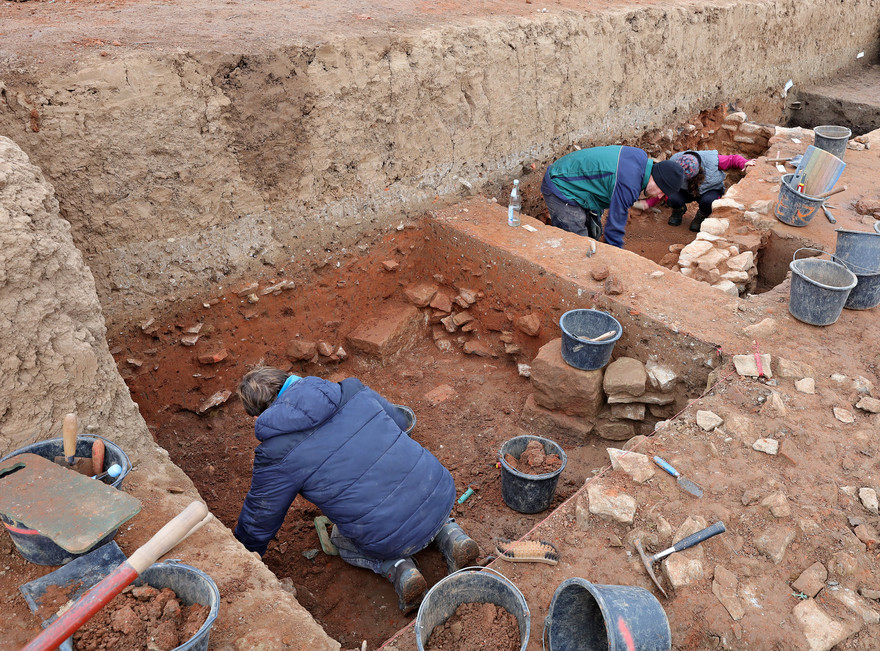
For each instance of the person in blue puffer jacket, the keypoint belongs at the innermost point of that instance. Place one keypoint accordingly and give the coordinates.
(343, 447)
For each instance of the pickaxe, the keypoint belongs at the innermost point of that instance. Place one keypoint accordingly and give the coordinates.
(681, 545)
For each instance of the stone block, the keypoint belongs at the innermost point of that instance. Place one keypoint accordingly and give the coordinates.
(648, 398)
(681, 571)
(708, 420)
(775, 541)
(811, 580)
(856, 604)
(724, 587)
(390, 329)
(615, 430)
(553, 424)
(611, 503)
(636, 465)
(560, 387)
(871, 405)
(660, 377)
(822, 632)
(747, 366)
(628, 411)
(727, 287)
(792, 369)
(420, 294)
(741, 262)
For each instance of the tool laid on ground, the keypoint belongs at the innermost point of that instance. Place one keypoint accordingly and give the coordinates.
(685, 484)
(72, 510)
(82, 465)
(828, 214)
(681, 545)
(81, 611)
(527, 551)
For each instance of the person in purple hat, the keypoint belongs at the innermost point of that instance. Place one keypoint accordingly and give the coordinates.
(704, 183)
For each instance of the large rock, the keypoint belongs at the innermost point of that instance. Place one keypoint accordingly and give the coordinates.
(856, 604)
(391, 328)
(611, 503)
(560, 387)
(724, 587)
(774, 541)
(553, 424)
(636, 465)
(811, 580)
(627, 376)
(822, 632)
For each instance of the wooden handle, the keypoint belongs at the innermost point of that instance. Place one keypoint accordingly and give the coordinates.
(98, 452)
(830, 192)
(604, 336)
(68, 434)
(168, 536)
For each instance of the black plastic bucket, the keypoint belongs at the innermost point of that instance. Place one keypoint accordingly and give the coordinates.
(819, 289)
(410, 416)
(795, 208)
(471, 585)
(858, 250)
(588, 355)
(584, 615)
(192, 586)
(832, 139)
(528, 493)
(866, 294)
(37, 548)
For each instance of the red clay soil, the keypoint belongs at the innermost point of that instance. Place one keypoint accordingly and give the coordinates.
(476, 627)
(141, 618)
(533, 460)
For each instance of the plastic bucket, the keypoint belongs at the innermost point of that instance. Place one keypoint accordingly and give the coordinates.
(410, 416)
(584, 615)
(588, 355)
(471, 585)
(32, 545)
(858, 250)
(832, 139)
(819, 289)
(795, 208)
(528, 493)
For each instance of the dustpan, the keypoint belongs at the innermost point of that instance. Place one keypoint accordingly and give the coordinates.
(72, 510)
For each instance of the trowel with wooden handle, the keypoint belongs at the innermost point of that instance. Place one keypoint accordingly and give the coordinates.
(82, 465)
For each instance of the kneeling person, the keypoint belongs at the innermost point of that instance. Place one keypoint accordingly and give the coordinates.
(342, 446)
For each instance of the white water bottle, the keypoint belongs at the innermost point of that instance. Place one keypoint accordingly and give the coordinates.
(514, 206)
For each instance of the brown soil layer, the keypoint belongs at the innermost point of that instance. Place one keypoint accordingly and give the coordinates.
(141, 618)
(476, 626)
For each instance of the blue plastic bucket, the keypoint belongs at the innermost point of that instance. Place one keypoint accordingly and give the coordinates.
(832, 139)
(795, 208)
(578, 325)
(526, 493)
(858, 250)
(584, 615)
(471, 585)
(37, 548)
(819, 289)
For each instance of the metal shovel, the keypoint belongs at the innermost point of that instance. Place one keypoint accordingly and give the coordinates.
(685, 484)
(681, 545)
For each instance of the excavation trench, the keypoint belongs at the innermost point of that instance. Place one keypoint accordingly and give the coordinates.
(466, 386)
(467, 405)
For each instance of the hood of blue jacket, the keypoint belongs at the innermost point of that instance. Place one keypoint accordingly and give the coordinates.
(304, 405)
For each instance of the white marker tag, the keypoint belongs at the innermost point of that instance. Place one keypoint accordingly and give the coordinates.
(780, 167)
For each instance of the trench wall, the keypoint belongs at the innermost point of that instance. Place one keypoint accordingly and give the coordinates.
(184, 170)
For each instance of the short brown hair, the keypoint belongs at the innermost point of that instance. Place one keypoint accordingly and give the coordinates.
(259, 388)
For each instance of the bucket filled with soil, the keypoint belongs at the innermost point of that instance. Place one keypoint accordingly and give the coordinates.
(171, 606)
(530, 469)
(474, 608)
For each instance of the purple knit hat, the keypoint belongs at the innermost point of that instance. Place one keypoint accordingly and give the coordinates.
(689, 164)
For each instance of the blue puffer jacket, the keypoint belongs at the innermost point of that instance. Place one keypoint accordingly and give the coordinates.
(339, 445)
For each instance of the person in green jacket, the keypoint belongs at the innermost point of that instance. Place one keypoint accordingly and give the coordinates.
(581, 185)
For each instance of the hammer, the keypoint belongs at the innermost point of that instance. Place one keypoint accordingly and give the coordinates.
(681, 545)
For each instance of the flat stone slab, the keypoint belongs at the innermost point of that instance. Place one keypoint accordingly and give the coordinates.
(390, 329)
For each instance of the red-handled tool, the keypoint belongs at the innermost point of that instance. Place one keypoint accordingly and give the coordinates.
(191, 518)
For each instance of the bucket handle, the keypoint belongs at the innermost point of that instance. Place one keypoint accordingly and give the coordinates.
(852, 266)
(808, 248)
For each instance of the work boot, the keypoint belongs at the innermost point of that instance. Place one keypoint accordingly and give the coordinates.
(697, 222)
(409, 584)
(675, 217)
(459, 549)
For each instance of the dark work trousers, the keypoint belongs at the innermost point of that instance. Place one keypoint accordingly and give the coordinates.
(704, 201)
(572, 218)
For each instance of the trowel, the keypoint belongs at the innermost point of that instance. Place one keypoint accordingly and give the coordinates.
(82, 465)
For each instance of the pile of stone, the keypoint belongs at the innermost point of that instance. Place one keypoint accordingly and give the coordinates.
(570, 402)
(746, 138)
(714, 258)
